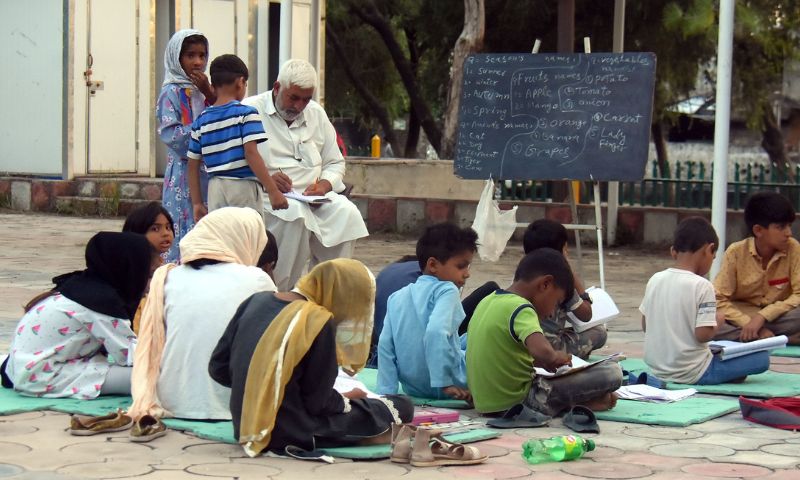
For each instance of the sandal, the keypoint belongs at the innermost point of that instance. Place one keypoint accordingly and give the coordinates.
(82, 425)
(148, 428)
(402, 436)
(442, 452)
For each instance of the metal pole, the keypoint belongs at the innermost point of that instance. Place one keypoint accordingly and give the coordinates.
(573, 208)
(613, 187)
(598, 220)
(313, 54)
(285, 45)
(719, 197)
(262, 47)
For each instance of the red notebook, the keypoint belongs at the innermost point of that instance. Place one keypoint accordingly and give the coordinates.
(430, 415)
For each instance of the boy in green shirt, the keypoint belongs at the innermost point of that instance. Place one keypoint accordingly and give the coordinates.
(505, 342)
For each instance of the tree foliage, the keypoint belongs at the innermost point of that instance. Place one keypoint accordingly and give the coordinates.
(682, 33)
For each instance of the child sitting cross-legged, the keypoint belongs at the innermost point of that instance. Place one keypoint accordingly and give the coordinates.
(758, 286)
(419, 346)
(505, 342)
(561, 335)
(679, 315)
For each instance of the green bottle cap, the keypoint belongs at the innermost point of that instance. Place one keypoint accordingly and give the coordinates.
(589, 445)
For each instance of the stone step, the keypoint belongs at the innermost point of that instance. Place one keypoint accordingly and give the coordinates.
(96, 206)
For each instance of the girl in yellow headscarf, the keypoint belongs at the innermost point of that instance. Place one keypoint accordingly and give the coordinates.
(280, 355)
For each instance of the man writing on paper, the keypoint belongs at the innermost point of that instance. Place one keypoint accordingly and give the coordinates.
(302, 156)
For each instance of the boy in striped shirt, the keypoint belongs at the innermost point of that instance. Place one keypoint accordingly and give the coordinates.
(225, 138)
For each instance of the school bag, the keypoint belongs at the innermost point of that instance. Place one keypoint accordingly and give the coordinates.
(779, 412)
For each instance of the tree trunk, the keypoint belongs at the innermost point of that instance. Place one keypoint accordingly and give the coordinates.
(369, 13)
(470, 40)
(412, 139)
(372, 102)
(773, 144)
(657, 130)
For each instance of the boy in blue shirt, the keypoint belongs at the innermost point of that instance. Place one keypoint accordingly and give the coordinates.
(419, 346)
(225, 138)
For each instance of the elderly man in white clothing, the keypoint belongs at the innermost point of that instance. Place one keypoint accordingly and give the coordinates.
(302, 156)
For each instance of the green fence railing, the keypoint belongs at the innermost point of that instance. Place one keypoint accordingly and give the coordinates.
(689, 186)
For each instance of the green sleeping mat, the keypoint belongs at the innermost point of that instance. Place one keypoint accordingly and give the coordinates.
(677, 414)
(791, 351)
(764, 385)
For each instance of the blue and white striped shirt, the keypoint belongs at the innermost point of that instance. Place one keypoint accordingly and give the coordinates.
(218, 138)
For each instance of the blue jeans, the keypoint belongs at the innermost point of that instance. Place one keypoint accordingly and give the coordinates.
(723, 371)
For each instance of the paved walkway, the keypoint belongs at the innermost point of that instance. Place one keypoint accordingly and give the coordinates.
(35, 445)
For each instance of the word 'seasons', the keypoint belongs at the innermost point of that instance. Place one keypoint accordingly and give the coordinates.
(495, 59)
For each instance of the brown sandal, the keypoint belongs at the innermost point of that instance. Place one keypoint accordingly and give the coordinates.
(430, 449)
(402, 436)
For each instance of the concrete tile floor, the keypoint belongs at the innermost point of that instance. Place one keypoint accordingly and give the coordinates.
(34, 248)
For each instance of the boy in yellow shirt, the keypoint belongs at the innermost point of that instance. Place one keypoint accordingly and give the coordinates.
(758, 287)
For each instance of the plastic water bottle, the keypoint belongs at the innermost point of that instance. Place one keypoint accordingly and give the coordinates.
(555, 449)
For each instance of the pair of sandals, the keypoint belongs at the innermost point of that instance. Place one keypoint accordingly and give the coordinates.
(579, 419)
(427, 447)
(143, 430)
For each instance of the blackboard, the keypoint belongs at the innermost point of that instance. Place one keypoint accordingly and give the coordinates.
(555, 116)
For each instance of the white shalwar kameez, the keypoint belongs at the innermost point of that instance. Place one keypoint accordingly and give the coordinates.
(306, 151)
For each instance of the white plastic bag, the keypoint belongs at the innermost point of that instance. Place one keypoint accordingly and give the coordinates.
(494, 226)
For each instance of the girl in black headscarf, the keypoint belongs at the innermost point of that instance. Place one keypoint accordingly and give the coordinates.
(75, 340)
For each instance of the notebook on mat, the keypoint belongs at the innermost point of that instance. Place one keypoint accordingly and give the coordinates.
(727, 349)
(431, 415)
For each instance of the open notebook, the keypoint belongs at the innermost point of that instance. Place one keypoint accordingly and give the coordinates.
(310, 199)
(578, 365)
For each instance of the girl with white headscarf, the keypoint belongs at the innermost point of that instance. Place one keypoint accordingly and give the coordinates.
(185, 93)
(188, 309)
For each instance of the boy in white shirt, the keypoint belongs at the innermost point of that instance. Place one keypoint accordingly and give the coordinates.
(679, 315)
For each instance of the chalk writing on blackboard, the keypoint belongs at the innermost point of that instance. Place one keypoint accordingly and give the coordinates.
(548, 116)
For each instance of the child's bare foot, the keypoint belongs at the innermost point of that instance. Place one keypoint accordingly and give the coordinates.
(605, 402)
(382, 439)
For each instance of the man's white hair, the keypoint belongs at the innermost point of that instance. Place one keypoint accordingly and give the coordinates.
(299, 73)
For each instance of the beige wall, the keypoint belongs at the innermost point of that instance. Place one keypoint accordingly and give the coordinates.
(410, 178)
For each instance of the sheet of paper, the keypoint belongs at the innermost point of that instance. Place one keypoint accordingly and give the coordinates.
(344, 383)
(307, 198)
(603, 310)
(646, 393)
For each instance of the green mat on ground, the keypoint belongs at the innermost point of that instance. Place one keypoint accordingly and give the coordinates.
(11, 402)
(791, 351)
(764, 385)
(677, 414)
(220, 431)
(376, 452)
(369, 376)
